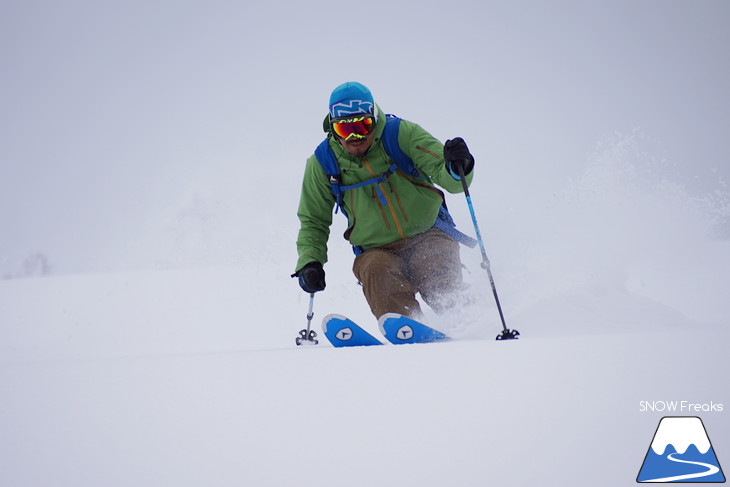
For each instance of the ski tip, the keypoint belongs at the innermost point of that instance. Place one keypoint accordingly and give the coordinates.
(384, 318)
(331, 317)
(343, 332)
(397, 316)
(400, 329)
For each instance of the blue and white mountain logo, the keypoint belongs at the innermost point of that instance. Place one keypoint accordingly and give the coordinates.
(681, 452)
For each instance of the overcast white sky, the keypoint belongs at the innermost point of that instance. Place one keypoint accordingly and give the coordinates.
(116, 118)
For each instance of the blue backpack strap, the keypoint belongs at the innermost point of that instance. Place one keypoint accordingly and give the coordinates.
(445, 223)
(392, 147)
(327, 160)
(376, 181)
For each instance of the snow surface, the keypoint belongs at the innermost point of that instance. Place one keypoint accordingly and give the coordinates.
(190, 376)
(137, 162)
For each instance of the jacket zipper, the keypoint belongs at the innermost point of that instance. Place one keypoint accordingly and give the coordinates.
(387, 199)
(397, 198)
(382, 210)
(350, 228)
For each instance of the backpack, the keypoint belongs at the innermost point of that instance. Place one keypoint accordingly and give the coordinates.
(328, 161)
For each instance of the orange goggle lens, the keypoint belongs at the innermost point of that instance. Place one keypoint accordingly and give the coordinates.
(355, 127)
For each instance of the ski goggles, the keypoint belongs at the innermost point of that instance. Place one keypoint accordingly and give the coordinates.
(353, 127)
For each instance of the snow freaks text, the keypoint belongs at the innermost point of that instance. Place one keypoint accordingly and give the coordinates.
(680, 407)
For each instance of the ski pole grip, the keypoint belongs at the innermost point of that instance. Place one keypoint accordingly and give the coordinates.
(462, 177)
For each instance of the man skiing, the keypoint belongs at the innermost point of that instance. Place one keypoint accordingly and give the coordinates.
(395, 219)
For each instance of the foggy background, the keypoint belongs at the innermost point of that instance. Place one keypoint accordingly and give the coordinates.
(138, 135)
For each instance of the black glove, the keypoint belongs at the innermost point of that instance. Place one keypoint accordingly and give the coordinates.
(457, 155)
(311, 277)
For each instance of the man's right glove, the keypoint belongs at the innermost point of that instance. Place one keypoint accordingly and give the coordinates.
(457, 155)
(311, 277)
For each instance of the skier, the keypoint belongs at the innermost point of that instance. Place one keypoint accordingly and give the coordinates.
(394, 223)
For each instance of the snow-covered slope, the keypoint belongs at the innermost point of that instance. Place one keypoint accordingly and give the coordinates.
(191, 377)
(167, 379)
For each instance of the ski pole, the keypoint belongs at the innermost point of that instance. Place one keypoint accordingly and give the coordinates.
(506, 333)
(308, 335)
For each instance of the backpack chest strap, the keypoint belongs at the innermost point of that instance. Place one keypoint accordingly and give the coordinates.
(376, 181)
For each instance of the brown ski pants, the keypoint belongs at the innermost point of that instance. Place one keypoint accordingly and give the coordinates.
(391, 275)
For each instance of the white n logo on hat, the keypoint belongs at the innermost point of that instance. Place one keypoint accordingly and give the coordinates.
(351, 107)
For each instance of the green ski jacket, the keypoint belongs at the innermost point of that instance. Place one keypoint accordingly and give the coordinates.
(412, 204)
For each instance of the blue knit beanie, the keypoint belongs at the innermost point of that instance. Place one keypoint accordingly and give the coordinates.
(351, 98)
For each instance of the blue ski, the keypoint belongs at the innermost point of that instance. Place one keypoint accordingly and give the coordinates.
(398, 329)
(401, 329)
(343, 332)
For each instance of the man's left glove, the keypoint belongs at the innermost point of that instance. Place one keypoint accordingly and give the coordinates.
(311, 277)
(456, 156)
